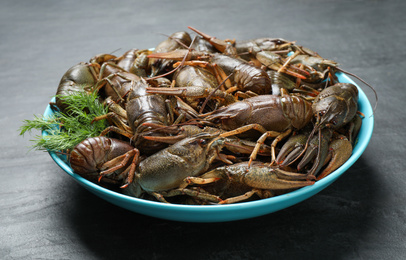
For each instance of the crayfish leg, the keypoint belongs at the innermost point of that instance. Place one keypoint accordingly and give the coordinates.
(119, 162)
(130, 171)
(195, 193)
(244, 95)
(265, 134)
(198, 180)
(116, 130)
(263, 194)
(239, 198)
(124, 129)
(243, 129)
(260, 142)
(159, 197)
(277, 139)
(275, 62)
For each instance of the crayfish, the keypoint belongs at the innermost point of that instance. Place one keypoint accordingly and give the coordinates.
(213, 121)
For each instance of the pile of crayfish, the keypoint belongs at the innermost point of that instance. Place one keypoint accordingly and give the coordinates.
(211, 121)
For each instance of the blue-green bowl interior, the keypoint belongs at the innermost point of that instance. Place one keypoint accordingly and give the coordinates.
(238, 211)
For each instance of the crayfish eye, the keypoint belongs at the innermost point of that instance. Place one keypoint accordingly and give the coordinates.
(199, 142)
(202, 141)
(217, 121)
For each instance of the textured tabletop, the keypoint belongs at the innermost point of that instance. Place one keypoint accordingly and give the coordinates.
(45, 214)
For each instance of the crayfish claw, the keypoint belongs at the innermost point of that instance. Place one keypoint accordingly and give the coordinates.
(125, 185)
(292, 156)
(310, 177)
(291, 150)
(339, 151)
(220, 45)
(317, 150)
(310, 154)
(177, 55)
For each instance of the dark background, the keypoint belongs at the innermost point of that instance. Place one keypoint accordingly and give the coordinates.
(45, 214)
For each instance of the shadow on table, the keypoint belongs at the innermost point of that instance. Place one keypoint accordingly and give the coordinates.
(330, 224)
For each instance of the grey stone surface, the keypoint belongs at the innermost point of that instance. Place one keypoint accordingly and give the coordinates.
(44, 214)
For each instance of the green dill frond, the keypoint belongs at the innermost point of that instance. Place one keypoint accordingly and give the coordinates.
(80, 102)
(39, 123)
(64, 131)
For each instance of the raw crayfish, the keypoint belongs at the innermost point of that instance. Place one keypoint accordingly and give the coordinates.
(202, 128)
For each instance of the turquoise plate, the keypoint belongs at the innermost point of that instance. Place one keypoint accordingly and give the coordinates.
(238, 211)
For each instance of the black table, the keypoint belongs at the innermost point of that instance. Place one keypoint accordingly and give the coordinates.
(45, 214)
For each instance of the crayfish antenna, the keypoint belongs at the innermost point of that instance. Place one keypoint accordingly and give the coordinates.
(166, 139)
(212, 93)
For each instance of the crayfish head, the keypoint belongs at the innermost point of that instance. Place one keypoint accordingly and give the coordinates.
(198, 148)
(168, 168)
(329, 113)
(336, 105)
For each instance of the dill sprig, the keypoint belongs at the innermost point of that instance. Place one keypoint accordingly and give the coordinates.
(63, 131)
